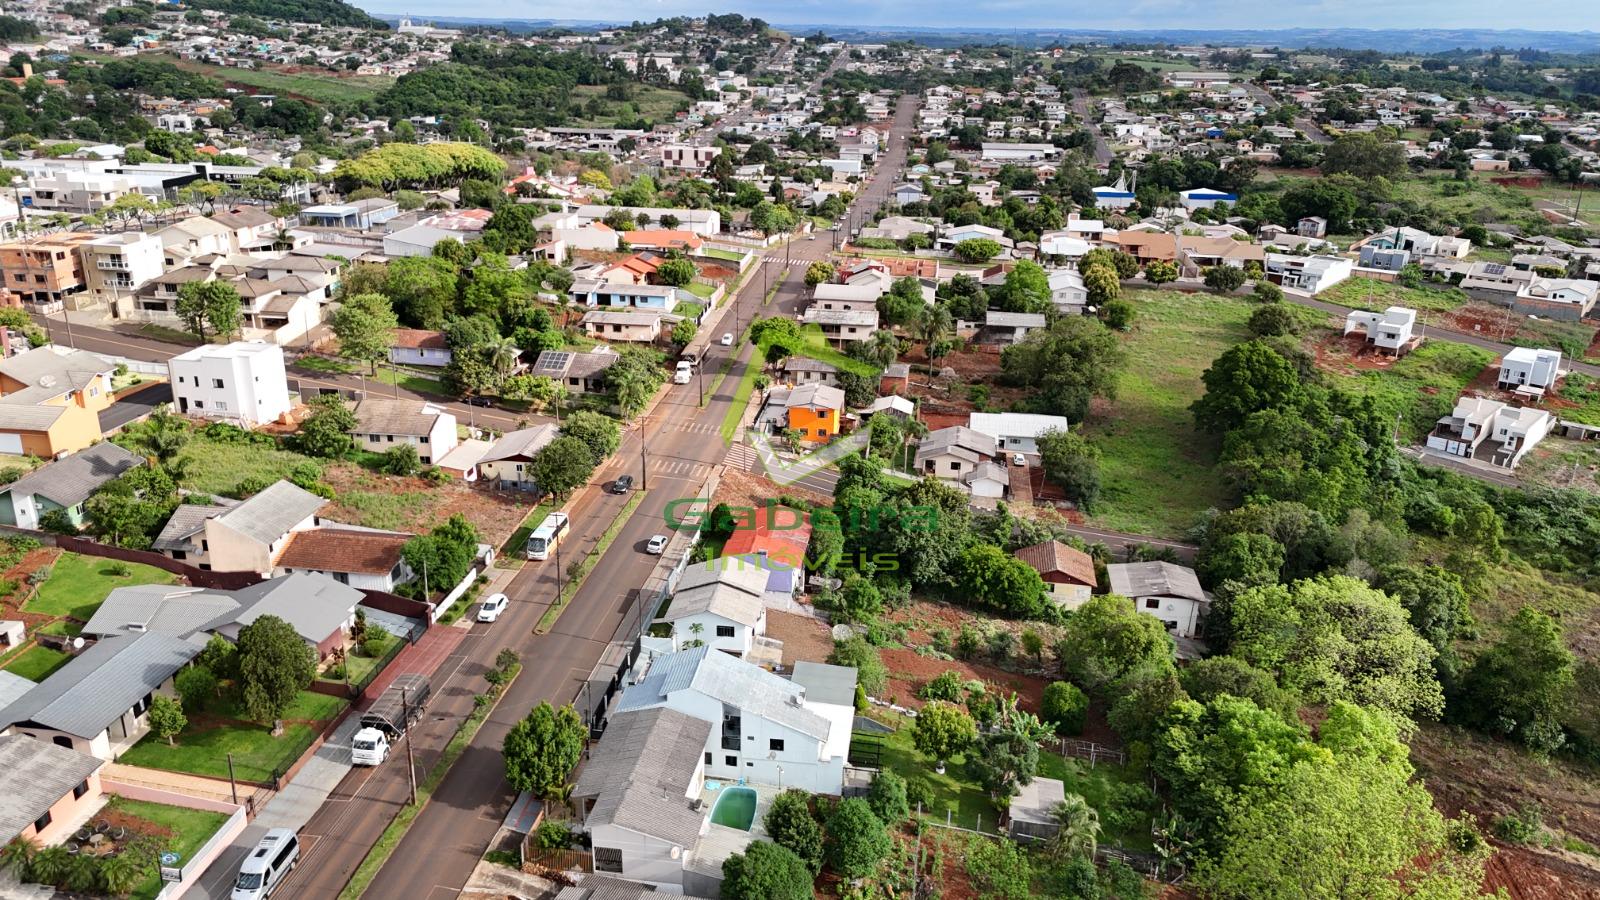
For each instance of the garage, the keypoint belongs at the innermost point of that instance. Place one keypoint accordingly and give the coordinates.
(11, 443)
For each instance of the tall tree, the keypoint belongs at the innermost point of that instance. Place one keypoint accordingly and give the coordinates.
(275, 665)
(542, 750)
(365, 325)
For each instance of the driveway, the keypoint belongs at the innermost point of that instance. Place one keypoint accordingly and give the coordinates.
(134, 405)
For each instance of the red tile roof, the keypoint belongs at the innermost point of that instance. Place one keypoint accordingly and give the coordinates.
(418, 338)
(1056, 558)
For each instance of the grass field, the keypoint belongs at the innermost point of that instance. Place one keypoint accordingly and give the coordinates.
(190, 829)
(1104, 786)
(36, 663)
(79, 584)
(203, 747)
(1155, 468)
(965, 801)
(213, 467)
(1370, 293)
(321, 86)
(655, 104)
(701, 290)
(1423, 385)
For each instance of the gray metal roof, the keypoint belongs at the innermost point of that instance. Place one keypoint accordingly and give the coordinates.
(13, 686)
(55, 371)
(1036, 801)
(747, 577)
(185, 522)
(34, 776)
(315, 605)
(722, 600)
(270, 514)
(523, 442)
(640, 773)
(599, 887)
(384, 415)
(68, 482)
(92, 690)
(733, 681)
(162, 608)
(948, 439)
(825, 683)
(1154, 579)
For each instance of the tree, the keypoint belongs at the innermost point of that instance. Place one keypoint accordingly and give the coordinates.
(902, 304)
(1064, 707)
(765, 871)
(1064, 365)
(1272, 319)
(1246, 378)
(167, 718)
(1364, 155)
(887, 797)
(1266, 292)
(771, 218)
(1215, 676)
(1026, 289)
(996, 579)
(1225, 279)
(1117, 314)
(684, 332)
(941, 731)
(1077, 829)
(1107, 638)
(365, 325)
(326, 432)
(977, 250)
(854, 652)
(208, 302)
(819, 272)
(791, 825)
(562, 466)
(676, 272)
(401, 460)
(998, 868)
(857, 840)
(1522, 686)
(1160, 272)
(1435, 600)
(1101, 283)
(600, 433)
(197, 686)
(542, 750)
(1073, 463)
(423, 289)
(275, 665)
(220, 657)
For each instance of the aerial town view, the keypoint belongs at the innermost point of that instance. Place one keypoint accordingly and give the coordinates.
(859, 451)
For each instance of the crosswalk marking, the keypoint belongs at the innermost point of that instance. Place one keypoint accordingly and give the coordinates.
(742, 457)
(677, 468)
(698, 428)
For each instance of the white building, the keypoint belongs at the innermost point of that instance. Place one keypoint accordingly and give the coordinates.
(1168, 591)
(1311, 274)
(243, 382)
(1015, 432)
(688, 157)
(1490, 431)
(1526, 370)
(1204, 198)
(767, 729)
(381, 423)
(1004, 152)
(1389, 330)
(116, 266)
(722, 607)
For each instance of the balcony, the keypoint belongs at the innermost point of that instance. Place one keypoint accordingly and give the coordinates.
(111, 263)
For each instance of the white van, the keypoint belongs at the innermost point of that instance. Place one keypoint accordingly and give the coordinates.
(267, 865)
(369, 747)
(684, 373)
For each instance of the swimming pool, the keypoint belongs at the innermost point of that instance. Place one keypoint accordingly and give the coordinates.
(736, 808)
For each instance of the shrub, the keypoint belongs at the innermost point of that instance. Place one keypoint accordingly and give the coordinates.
(1521, 827)
(791, 825)
(1064, 707)
(553, 836)
(945, 686)
(887, 797)
(856, 653)
(857, 839)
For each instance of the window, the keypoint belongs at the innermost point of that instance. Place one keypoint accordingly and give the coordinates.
(730, 760)
(62, 740)
(724, 631)
(1152, 603)
(222, 406)
(775, 744)
(42, 822)
(423, 439)
(81, 789)
(708, 757)
(179, 554)
(199, 404)
(608, 859)
(391, 438)
(216, 383)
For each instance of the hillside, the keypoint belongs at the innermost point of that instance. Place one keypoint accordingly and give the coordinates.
(325, 12)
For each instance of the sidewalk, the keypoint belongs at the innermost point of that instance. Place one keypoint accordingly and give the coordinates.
(422, 658)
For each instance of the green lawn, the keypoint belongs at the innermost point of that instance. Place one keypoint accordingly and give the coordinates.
(719, 253)
(1584, 391)
(319, 85)
(214, 467)
(1370, 293)
(700, 289)
(190, 829)
(517, 544)
(1155, 468)
(326, 365)
(203, 747)
(412, 381)
(36, 663)
(79, 584)
(964, 800)
(1422, 385)
(1104, 786)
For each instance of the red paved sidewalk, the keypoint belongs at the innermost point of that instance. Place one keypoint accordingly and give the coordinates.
(421, 658)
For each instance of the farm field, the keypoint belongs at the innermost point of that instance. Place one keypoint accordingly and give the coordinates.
(319, 85)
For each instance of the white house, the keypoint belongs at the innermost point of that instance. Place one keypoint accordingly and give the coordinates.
(768, 729)
(1389, 330)
(382, 422)
(1168, 591)
(1567, 299)
(1490, 431)
(118, 265)
(1529, 371)
(721, 607)
(1015, 432)
(1062, 245)
(242, 382)
(420, 347)
(1311, 274)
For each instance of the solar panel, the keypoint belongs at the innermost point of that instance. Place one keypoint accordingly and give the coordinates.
(553, 361)
(1495, 268)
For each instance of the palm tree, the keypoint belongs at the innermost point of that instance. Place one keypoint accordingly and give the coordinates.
(83, 874)
(503, 355)
(883, 348)
(50, 865)
(933, 324)
(120, 874)
(1077, 829)
(17, 856)
(165, 434)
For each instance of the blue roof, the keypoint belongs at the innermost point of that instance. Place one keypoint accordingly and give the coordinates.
(1111, 192)
(781, 578)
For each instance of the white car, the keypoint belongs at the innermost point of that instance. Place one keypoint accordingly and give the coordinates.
(1017, 459)
(657, 545)
(493, 607)
(727, 339)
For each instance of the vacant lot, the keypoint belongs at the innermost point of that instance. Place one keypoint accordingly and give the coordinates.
(1420, 387)
(312, 84)
(1370, 293)
(653, 104)
(1155, 467)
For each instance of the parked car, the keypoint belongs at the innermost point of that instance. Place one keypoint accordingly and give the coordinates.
(622, 485)
(478, 401)
(657, 545)
(727, 339)
(493, 607)
(1017, 459)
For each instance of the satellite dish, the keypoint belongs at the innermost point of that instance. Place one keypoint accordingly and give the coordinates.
(47, 381)
(676, 852)
(77, 643)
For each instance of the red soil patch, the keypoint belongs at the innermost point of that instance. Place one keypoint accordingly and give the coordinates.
(909, 671)
(494, 513)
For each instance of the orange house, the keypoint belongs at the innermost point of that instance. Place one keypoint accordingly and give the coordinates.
(50, 400)
(813, 411)
(44, 270)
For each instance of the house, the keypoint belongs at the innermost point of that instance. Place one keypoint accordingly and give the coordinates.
(1068, 572)
(1529, 371)
(951, 453)
(908, 193)
(420, 239)
(639, 794)
(1389, 330)
(1197, 253)
(46, 269)
(688, 157)
(1311, 274)
(1168, 591)
(842, 325)
(1067, 291)
(1015, 432)
(361, 215)
(663, 239)
(621, 325)
(117, 265)
(1009, 327)
(767, 729)
(382, 422)
(1113, 197)
(1419, 242)
(1032, 813)
(1490, 431)
(862, 295)
(420, 347)
(625, 294)
(579, 373)
(1145, 246)
(803, 370)
(50, 790)
(50, 400)
(242, 382)
(1204, 198)
(63, 486)
(1312, 227)
(1062, 246)
(364, 558)
(98, 703)
(722, 607)
(248, 536)
(320, 609)
(1566, 299)
(813, 410)
(1018, 153)
(773, 537)
(1198, 80)
(507, 461)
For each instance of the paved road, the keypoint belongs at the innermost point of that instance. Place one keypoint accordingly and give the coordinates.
(1080, 108)
(1309, 128)
(450, 835)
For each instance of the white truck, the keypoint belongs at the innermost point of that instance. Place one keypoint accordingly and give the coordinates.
(387, 719)
(684, 373)
(369, 747)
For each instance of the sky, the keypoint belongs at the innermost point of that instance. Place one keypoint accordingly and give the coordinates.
(1556, 15)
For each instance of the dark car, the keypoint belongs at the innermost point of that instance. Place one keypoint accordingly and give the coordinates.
(478, 401)
(622, 485)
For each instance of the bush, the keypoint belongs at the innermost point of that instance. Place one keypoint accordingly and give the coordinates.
(791, 825)
(1064, 707)
(1521, 827)
(553, 836)
(1272, 319)
(887, 797)
(1226, 279)
(1117, 314)
(1267, 292)
(857, 839)
(919, 794)
(945, 686)
(856, 653)
(999, 869)
(401, 460)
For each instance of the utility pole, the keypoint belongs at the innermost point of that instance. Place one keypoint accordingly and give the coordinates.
(644, 462)
(232, 783)
(411, 762)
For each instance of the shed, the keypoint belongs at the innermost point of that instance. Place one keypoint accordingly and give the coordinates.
(1033, 807)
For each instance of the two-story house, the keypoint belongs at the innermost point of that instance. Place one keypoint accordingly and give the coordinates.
(1389, 331)
(1168, 591)
(51, 399)
(243, 382)
(1529, 371)
(722, 607)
